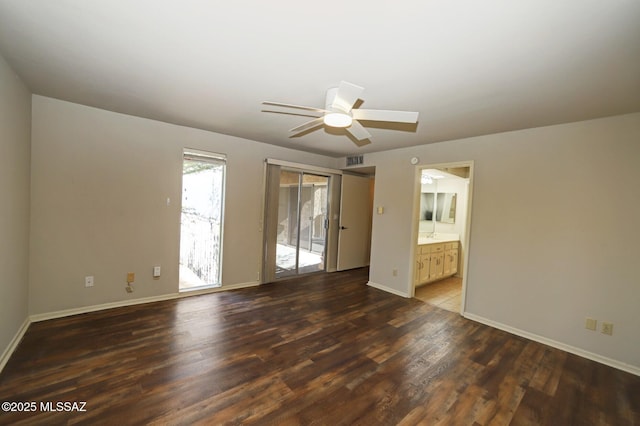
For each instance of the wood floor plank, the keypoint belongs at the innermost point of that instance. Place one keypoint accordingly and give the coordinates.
(324, 349)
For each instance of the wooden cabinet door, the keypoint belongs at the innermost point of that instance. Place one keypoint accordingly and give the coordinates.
(440, 265)
(454, 261)
(447, 263)
(425, 261)
(416, 272)
(436, 267)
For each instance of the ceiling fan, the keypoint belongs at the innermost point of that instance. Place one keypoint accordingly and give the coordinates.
(339, 112)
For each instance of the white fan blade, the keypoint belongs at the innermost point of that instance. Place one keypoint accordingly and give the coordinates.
(385, 115)
(347, 95)
(293, 106)
(308, 125)
(362, 143)
(357, 131)
(299, 114)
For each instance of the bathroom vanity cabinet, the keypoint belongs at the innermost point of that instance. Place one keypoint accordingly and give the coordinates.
(435, 261)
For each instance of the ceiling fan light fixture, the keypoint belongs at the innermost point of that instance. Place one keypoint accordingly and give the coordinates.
(339, 113)
(337, 119)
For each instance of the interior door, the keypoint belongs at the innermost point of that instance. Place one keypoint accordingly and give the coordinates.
(354, 240)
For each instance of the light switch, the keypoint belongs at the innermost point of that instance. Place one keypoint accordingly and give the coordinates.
(380, 210)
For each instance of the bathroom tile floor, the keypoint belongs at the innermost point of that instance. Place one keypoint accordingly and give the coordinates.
(444, 294)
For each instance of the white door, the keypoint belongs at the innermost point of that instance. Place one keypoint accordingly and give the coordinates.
(355, 222)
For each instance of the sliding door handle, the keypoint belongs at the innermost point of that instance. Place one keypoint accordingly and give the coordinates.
(343, 227)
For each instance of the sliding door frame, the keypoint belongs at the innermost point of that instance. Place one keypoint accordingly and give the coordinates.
(270, 205)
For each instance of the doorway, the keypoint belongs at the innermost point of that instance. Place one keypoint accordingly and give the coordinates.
(201, 220)
(443, 215)
(301, 237)
(302, 220)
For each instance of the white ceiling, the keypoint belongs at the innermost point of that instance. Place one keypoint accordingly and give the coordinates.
(468, 67)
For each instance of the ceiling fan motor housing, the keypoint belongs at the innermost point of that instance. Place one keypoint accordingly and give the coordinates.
(336, 117)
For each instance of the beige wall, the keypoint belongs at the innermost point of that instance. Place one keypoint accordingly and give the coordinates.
(15, 128)
(554, 231)
(100, 182)
(537, 264)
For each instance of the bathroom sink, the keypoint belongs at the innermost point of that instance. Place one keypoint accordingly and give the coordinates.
(438, 238)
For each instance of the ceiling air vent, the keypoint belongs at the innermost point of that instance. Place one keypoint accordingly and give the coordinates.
(355, 160)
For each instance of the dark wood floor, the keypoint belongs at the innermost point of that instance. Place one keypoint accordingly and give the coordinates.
(320, 350)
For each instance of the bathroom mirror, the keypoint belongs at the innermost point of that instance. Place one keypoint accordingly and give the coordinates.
(427, 205)
(446, 208)
(427, 208)
(438, 200)
(438, 207)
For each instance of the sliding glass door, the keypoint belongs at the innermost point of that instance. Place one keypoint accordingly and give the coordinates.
(299, 226)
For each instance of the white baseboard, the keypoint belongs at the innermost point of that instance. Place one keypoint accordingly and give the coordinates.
(101, 307)
(196, 292)
(68, 312)
(14, 343)
(239, 286)
(388, 289)
(555, 344)
(94, 308)
(132, 302)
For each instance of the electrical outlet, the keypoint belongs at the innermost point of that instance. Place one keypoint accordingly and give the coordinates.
(395, 272)
(129, 289)
(607, 328)
(88, 281)
(591, 324)
(156, 272)
(131, 277)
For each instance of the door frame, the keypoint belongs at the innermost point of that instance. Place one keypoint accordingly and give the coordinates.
(213, 158)
(466, 242)
(334, 176)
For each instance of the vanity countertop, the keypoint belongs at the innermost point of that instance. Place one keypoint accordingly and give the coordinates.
(442, 238)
